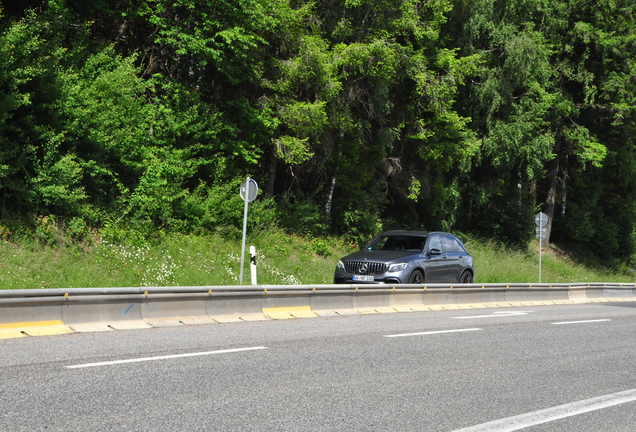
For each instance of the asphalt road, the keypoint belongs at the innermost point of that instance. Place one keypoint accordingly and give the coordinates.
(542, 368)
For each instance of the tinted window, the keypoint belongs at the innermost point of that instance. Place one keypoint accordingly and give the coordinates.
(405, 243)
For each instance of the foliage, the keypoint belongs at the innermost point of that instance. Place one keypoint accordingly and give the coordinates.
(140, 119)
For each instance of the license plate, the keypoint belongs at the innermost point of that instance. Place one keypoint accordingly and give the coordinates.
(363, 278)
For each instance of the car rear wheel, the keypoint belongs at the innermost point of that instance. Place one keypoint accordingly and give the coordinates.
(417, 277)
(466, 277)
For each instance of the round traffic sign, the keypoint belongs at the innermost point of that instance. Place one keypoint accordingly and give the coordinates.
(541, 220)
(249, 190)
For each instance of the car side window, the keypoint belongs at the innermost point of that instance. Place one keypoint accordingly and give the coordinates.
(459, 247)
(447, 245)
(435, 243)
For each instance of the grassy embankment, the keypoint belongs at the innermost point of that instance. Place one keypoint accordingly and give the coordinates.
(281, 259)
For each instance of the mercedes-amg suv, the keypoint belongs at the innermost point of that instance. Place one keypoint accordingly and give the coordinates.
(414, 257)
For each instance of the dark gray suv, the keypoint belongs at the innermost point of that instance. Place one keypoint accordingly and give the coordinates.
(414, 257)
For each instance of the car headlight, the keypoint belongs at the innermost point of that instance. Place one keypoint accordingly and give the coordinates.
(340, 266)
(398, 267)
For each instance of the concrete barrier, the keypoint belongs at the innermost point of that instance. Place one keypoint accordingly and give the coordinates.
(116, 312)
(618, 291)
(536, 294)
(20, 317)
(57, 311)
(278, 302)
(160, 310)
(593, 292)
(375, 300)
(513, 294)
(224, 308)
(467, 294)
(492, 295)
(438, 296)
(331, 303)
(578, 294)
(407, 299)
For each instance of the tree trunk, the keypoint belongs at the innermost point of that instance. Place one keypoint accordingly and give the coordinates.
(330, 197)
(271, 175)
(550, 201)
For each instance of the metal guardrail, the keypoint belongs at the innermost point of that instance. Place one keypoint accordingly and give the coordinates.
(59, 310)
(225, 289)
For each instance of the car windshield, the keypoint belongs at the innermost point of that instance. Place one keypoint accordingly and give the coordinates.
(398, 242)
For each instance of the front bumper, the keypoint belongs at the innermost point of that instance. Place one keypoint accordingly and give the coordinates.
(341, 277)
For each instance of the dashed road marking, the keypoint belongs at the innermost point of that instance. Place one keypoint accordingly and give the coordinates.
(581, 322)
(551, 414)
(145, 359)
(432, 332)
(495, 315)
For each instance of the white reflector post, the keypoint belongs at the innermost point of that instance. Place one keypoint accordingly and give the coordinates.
(253, 264)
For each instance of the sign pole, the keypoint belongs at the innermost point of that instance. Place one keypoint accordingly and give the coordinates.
(248, 191)
(247, 194)
(540, 251)
(541, 220)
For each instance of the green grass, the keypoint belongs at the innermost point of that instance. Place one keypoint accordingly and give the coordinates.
(495, 263)
(176, 260)
(179, 260)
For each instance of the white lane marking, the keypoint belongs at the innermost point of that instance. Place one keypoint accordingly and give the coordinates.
(495, 315)
(144, 359)
(581, 322)
(432, 332)
(551, 414)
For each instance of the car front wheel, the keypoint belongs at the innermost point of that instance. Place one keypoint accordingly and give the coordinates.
(417, 277)
(466, 277)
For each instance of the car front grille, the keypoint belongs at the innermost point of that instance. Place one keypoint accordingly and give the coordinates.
(354, 267)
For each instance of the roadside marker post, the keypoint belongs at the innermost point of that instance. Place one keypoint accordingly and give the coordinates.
(253, 264)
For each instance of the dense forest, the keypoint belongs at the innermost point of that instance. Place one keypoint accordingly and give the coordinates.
(352, 115)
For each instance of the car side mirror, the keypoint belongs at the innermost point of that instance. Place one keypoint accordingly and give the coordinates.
(435, 251)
